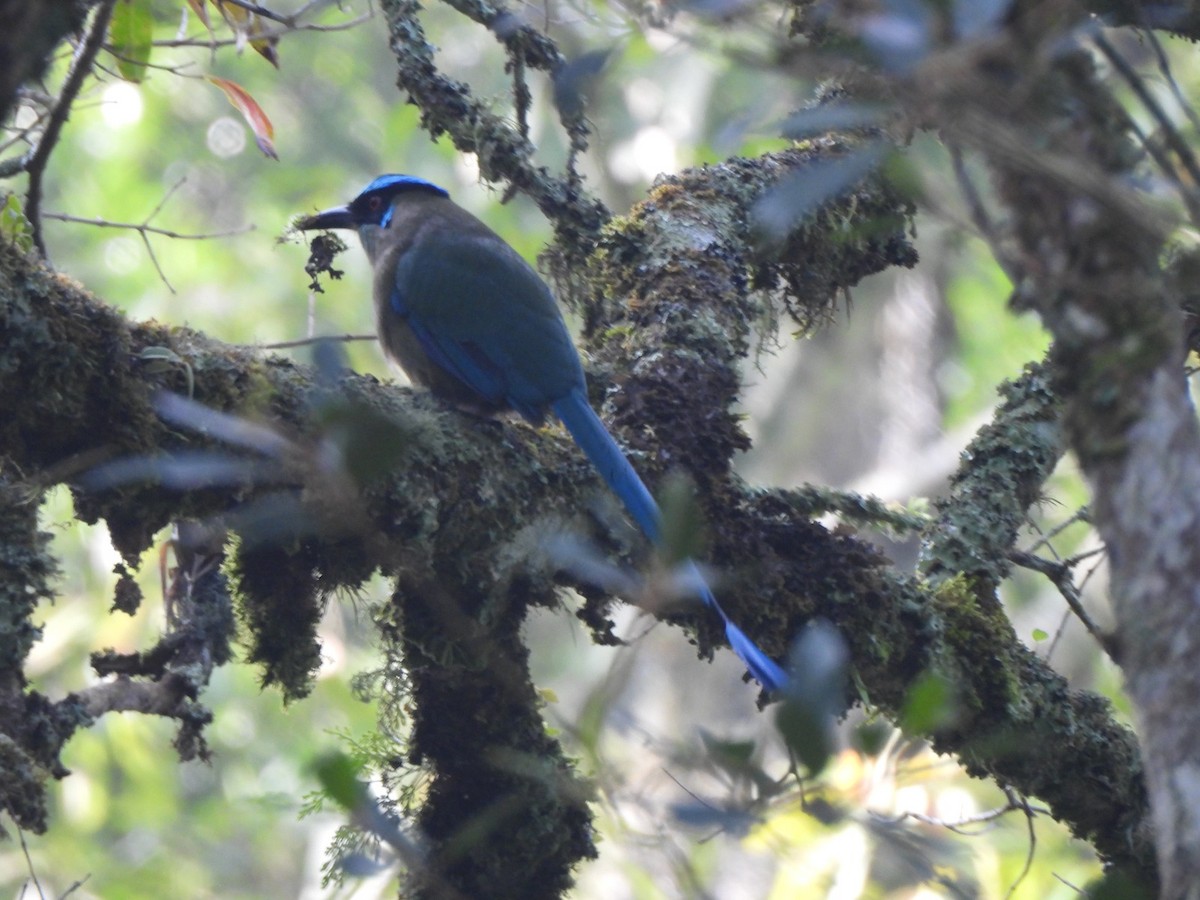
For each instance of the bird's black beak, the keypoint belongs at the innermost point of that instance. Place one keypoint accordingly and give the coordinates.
(338, 217)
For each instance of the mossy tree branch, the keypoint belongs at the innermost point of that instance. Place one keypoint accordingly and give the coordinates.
(459, 516)
(459, 513)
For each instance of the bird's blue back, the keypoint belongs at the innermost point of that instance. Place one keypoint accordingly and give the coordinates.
(483, 314)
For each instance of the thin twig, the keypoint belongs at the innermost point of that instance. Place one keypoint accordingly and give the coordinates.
(290, 21)
(304, 342)
(1023, 804)
(261, 11)
(21, 134)
(1164, 67)
(81, 66)
(265, 34)
(147, 229)
(960, 826)
(158, 67)
(1174, 139)
(144, 229)
(1063, 621)
(979, 213)
(75, 885)
(29, 863)
(1061, 576)
(1138, 84)
(1081, 515)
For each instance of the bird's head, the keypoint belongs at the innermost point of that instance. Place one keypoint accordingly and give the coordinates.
(373, 206)
(372, 209)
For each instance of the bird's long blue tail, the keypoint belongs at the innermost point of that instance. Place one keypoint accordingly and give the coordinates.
(595, 441)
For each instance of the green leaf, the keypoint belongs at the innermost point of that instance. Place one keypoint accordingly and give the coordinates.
(731, 755)
(931, 704)
(815, 694)
(682, 519)
(1120, 885)
(1039, 634)
(370, 443)
(130, 33)
(807, 733)
(338, 776)
(871, 737)
(13, 224)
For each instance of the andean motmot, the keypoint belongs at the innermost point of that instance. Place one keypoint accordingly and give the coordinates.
(465, 316)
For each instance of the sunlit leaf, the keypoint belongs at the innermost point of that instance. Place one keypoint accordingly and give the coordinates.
(263, 130)
(13, 224)
(130, 34)
(248, 28)
(1039, 634)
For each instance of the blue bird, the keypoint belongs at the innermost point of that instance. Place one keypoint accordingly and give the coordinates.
(466, 317)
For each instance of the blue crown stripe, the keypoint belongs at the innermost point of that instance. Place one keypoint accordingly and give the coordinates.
(403, 182)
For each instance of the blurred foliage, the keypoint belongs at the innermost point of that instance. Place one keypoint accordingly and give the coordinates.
(135, 824)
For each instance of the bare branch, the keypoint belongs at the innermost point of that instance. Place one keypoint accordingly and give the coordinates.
(1174, 139)
(162, 698)
(306, 342)
(962, 825)
(144, 229)
(213, 42)
(1061, 575)
(81, 67)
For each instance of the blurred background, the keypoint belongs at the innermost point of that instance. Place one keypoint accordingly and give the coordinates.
(882, 400)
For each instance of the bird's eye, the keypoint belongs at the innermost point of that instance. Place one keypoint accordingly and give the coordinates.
(375, 204)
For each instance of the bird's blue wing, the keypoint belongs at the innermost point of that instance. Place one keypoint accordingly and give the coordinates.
(485, 317)
(462, 359)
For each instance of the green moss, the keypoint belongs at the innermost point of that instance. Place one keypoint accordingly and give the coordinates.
(275, 588)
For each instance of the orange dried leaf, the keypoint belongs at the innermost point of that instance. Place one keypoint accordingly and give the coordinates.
(263, 130)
